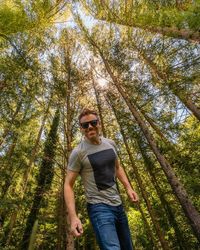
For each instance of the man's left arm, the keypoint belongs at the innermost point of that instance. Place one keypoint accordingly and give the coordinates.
(121, 175)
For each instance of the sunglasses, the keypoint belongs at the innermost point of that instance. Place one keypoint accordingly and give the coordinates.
(85, 125)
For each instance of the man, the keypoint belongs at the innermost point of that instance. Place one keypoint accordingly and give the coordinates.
(95, 159)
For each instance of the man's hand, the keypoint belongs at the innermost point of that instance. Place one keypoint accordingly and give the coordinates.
(76, 227)
(132, 195)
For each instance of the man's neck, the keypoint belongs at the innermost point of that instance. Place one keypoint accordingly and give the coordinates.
(95, 140)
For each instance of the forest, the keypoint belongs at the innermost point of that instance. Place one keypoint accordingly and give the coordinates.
(137, 63)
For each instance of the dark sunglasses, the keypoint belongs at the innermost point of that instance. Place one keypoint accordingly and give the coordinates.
(93, 123)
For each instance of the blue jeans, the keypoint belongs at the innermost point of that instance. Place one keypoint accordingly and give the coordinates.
(110, 225)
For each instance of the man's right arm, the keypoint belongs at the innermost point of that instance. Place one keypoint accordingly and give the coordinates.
(75, 223)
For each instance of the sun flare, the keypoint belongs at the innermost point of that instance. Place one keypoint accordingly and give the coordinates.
(102, 82)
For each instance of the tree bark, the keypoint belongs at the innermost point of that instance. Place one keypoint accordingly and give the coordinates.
(160, 235)
(34, 151)
(169, 211)
(9, 166)
(183, 97)
(26, 177)
(190, 211)
(7, 130)
(188, 208)
(68, 137)
(99, 106)
(105, 13)
(44, 180)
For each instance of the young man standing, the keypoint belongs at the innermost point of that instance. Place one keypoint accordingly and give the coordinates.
(95, 159)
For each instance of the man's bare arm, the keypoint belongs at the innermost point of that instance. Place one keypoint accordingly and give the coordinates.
(121, 175)
(75, 223)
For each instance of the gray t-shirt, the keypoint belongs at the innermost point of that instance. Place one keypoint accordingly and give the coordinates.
(96, 165)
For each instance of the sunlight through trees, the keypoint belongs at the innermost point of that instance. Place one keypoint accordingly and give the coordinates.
(138, 64)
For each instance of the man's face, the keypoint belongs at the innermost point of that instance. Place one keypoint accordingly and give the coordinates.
(90, 130)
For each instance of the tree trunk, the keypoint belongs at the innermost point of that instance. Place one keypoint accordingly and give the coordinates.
(184, 98)
(45, 178)
(26, 176)
(9, 166)
(7, 130)
(8, 236)
(160, 235)
(99, 106)
(190, 211)
(61, 221)
(34, 151)
(188, 208)
(147, 227)
(171, 217)
(68, 138)
(106, 13)
(156, 129)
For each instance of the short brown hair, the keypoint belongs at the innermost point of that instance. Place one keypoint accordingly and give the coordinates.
(87, 111)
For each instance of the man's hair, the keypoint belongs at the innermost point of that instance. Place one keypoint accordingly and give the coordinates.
(87, 111)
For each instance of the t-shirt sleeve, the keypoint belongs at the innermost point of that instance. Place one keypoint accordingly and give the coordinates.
(74, 163)
(114, 145)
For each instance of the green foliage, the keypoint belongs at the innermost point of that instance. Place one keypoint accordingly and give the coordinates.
(153, 16)
(189, 148)
(137, 229)
(13, 18)
(18, 16)
(45, 65)
(44, 179)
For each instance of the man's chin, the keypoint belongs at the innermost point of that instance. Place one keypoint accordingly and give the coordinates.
(92, 136)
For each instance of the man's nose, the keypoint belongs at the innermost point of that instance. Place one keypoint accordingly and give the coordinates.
(90, 126)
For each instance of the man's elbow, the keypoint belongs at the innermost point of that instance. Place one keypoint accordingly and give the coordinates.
(67, 186)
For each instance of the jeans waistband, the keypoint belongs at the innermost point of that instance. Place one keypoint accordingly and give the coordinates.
(90, 205)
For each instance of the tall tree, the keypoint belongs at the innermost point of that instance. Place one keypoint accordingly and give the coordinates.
(153, 216)
(189, 209)
(44, 179)
(172, 18)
